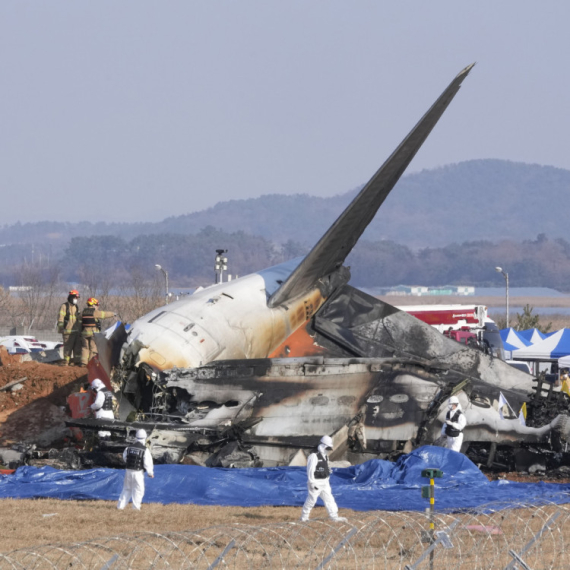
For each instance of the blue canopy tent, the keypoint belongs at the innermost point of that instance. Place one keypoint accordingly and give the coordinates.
(512, 340)
(551, 348)
(533, 335)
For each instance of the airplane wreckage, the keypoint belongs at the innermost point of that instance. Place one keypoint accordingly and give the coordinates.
(254, 371)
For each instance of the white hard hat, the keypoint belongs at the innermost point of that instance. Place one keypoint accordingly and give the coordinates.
(97, 384)
(141, 434)
(453, 400)
(326, 440)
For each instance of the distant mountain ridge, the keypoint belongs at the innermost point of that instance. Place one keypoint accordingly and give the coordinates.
(473, 200)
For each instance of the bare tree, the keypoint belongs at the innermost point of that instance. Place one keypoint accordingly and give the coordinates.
(4, 298)
(142, 291)
(6, 305)
(39, 287)
(96, 281)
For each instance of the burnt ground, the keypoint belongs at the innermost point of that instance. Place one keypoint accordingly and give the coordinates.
(526, 477)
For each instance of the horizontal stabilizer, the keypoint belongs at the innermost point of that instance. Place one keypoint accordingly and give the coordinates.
(332, 249)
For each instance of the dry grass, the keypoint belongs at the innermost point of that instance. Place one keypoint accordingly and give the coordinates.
(24, 523)
(384, 539)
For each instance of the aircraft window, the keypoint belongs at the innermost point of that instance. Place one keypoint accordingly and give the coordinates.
(231, 404)
(399, 398)
(187, 328)
(226, 295)
(156, 316)
(208, 404)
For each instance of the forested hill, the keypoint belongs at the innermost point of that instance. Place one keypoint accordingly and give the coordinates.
(479, 199)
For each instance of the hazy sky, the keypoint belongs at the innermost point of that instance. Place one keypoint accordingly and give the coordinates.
(137, 110)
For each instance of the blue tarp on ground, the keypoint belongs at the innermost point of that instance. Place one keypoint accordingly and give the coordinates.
(374, 485)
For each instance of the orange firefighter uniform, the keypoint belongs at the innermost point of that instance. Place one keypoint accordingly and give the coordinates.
(69, 326)
(91, 324)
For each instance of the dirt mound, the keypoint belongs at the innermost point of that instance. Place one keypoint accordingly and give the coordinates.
(31, 421)
(35, 407)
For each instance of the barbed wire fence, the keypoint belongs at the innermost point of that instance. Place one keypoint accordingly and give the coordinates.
(494, 536)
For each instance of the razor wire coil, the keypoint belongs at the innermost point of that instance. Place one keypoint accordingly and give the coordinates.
(489, 537)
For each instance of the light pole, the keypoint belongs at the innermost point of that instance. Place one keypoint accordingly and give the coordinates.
(221, 264)
(165, 273)
(506, 276)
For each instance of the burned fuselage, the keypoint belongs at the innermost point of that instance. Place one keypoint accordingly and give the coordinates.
(379, 368)
(267, 364)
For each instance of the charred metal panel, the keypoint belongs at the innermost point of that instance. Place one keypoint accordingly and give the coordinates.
(368, 327)
(293, 397)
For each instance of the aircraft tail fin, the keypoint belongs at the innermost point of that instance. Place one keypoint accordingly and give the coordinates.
(332, 249)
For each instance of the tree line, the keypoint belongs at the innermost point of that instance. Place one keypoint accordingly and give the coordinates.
(108, 262)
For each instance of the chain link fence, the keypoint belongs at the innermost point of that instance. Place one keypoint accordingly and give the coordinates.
(496, 536)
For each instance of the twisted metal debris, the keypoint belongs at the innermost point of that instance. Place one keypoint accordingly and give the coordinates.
(494, 536)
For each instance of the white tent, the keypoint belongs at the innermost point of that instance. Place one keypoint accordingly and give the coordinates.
(564, 362)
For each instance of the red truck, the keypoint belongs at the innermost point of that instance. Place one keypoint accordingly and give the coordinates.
(468, 324)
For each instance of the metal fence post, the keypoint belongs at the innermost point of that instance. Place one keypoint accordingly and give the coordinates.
(336, 549)
(221, 556)
(110, 562)
(518, 556)
(443, 538)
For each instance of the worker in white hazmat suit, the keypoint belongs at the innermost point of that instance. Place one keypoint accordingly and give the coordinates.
(102, 407)
(138, 460)
(318, 483)
(455, 422)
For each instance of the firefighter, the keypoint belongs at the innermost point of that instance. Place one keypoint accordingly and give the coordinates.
(318, 483)
(455, 422)
(69, 325)
(138, 460)
(103, 406)
(90, 324)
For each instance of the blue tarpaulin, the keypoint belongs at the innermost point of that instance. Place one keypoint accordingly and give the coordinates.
(374, 485)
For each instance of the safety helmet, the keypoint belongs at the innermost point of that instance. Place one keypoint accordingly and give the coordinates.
(92, 301)
(141, 434)
(453, 400)
(97, 384)
(74, 293)
(326, 440)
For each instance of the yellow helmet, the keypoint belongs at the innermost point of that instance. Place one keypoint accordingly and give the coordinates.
(92, 302)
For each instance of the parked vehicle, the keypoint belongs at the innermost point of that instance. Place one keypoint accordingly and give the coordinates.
(468, 324)
(26, 344)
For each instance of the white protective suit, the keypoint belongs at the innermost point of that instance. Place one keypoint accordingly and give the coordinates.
(318, 487)
(460, 422)
(97, 406)
(133, 485)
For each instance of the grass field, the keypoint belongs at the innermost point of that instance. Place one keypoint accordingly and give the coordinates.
(266, 538)
(46, 521)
